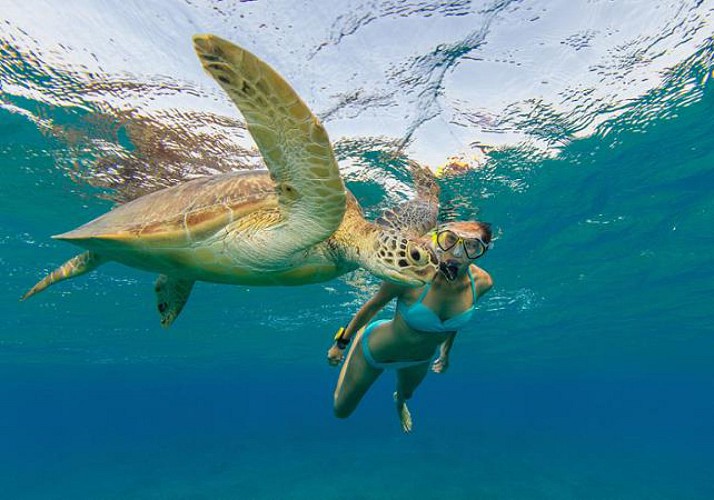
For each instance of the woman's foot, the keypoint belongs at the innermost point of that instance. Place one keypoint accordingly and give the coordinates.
(405, 418)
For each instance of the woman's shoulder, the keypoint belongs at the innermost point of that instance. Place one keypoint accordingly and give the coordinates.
(482, 279)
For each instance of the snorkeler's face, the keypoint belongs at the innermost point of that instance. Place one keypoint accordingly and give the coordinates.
(456, 250)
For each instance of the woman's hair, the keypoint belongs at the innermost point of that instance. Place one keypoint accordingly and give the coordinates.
(483, 228)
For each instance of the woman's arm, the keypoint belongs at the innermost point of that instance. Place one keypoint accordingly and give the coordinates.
(387, 291)
(483, 281)
(368, 311)
(448, 343)
(442, 362)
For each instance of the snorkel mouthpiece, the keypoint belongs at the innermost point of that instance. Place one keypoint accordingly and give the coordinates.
(449, 269)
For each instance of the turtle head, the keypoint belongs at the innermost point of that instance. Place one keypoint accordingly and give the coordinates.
(401, 260)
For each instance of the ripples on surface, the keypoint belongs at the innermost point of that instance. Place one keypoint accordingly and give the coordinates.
(505, 73)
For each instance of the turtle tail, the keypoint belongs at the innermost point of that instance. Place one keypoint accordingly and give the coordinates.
(76, 266)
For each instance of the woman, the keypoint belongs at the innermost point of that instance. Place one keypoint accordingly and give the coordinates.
(424, 325)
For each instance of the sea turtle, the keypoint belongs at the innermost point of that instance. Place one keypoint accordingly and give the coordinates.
(292, 224)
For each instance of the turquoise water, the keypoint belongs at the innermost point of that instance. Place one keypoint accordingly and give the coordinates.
(589, 372)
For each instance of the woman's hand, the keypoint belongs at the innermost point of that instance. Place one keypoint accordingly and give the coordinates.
(335, 355)
(441, 364)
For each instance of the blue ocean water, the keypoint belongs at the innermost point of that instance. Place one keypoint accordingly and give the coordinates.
(589, 372)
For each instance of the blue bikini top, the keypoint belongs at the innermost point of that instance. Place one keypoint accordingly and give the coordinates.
(420, 317)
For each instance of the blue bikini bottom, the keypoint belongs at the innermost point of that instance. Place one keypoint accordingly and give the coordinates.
(395, 365)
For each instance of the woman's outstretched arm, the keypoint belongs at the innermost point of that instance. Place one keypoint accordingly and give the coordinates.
(387, 291)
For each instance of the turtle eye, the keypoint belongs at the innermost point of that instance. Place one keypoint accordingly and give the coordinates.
(416, 254)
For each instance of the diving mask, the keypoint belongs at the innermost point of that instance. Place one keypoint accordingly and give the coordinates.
(473, 247)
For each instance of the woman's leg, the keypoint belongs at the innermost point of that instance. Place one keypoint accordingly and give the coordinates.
(356, 377)
(408, 379)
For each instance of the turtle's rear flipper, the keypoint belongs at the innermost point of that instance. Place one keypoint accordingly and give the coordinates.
(76, 266)
(171, 296)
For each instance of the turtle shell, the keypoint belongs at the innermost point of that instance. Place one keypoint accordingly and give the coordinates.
(180, 215)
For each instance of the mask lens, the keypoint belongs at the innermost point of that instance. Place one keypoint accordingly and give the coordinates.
(446, 240)
(474, 248)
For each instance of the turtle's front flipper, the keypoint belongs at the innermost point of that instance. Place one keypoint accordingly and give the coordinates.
(293, 142)
(76, 266)
(171, 296)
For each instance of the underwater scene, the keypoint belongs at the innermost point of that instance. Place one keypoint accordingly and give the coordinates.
(582, 131)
